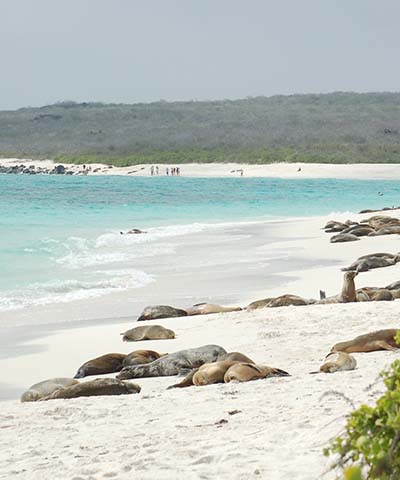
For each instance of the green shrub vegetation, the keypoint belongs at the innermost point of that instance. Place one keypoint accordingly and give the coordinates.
(328, 128)
(371, 442)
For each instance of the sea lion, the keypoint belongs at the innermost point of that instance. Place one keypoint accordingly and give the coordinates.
(109, 363)
(334, 226)
(382, 295)
(338, 361)
(344, 237)
(161, 311)
(370, 262)
(208, 308)
(149, 332)
(139, 357)
(244, 372)
(387, 230)
(370, 342)
(394, 285)
(259, 304)
(287, 300)
(348, 293)
(224, 363)
(45, 388)
(97, 387)
(174, 363)
(359, 230)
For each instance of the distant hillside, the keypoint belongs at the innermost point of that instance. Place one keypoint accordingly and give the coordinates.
(333, 128)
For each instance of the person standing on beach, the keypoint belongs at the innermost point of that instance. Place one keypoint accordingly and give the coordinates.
(157, 170)
(167, 171)
(152, 170)
(178, 171)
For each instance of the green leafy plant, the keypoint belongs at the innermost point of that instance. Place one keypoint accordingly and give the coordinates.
(371, 442)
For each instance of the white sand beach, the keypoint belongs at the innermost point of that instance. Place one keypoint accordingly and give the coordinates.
(275, 170)
(273, 428)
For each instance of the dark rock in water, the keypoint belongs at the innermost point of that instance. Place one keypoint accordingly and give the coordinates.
(60, 169)
(161, 311)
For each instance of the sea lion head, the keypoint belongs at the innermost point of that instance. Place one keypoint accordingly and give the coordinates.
(170, 333)
(350, 275)
(123, 374)
(81, 373)
(30, 396)
(132, 387)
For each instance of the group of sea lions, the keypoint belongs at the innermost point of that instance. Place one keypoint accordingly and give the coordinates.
(351, 231)
(211, 364)
(207, 365)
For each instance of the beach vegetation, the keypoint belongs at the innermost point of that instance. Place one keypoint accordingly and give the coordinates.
(370, 446)
(325, 128)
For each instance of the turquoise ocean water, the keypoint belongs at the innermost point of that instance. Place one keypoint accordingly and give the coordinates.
(60, 237)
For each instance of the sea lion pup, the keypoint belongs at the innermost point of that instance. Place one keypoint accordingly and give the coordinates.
(259, 304)
(207, 308)
(244, 372)
(45, 388)
(287, 300)
(97, 387)
(224, 363)
(370, 342)
(338, 361)
(139, 357)
(109, 363)
(161, 311)
(149, 332)
(173, 363)
(334, 226)
(348, 293)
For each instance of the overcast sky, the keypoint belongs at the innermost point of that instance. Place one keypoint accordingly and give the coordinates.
(145, 50)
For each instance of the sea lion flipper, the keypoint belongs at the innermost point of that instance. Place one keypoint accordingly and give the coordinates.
(385, 346)
(280, 373)
(186, 382)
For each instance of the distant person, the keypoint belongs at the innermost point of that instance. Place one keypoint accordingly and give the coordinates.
(167, 171)
(178, 171)
(241, 172)
(152, 170)
(157, 170)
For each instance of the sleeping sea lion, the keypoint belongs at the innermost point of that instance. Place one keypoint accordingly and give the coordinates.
(149, 332)
(175, 362)
(244, 372)
(224, 363)
(109, 363)
(139, 357)
(259, 303)
(338, 361)
(97, 387)
(207, 308)
(45, 388)
(363, 264)
(287, 300)
(344, 237)
(161, 311)
(370, 342)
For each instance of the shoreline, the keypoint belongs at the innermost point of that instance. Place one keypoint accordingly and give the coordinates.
(298, 170)
(292, 418)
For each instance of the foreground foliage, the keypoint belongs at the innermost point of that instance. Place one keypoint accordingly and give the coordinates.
(372, 437)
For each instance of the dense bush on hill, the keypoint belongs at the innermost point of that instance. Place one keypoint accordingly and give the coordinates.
(330, 128)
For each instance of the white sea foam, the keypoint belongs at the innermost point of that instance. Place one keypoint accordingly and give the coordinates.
(61, 291)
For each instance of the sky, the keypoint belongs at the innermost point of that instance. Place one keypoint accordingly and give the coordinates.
(128, 51)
